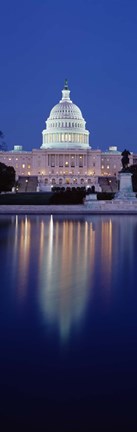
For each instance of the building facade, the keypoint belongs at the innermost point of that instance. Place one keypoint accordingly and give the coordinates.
(65, 156)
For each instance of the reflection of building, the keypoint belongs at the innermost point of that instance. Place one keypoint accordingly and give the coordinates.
(63, 264)
(65, 156)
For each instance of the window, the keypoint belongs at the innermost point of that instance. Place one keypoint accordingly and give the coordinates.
(60, 160)
(107, 166)
(23, 165)
(53, 181)
(80, 161)
(102, 167)
(72, 163)
(52, 160)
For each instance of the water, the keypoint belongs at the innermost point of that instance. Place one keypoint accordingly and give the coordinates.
(68, 323)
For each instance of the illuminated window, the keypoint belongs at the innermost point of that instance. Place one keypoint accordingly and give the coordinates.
(9, 158)
(102, 167)
(23, 165)
(28, 173)
(16, 158)
(66, 163)
(28, 166)
(107, 166)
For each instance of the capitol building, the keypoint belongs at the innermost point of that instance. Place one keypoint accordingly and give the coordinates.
(65, 156)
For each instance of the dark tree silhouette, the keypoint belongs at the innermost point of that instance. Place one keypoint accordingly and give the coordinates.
(3, 145)
(1, 135)
(7, 177)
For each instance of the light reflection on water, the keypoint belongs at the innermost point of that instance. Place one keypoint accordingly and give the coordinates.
(68, 258)
(64, 274)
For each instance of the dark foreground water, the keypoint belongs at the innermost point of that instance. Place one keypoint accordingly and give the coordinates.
(68, 323)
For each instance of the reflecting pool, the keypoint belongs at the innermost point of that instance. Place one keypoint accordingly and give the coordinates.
(68, 323)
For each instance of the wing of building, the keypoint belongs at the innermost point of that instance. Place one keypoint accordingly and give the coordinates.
(65, 156)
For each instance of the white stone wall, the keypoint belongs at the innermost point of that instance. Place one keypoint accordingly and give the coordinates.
(111, 163)
(64, 166)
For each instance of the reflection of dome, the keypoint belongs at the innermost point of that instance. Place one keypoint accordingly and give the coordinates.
(65, 286)
(65, 127)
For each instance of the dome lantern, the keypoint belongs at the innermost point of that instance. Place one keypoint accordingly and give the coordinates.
(65, 92)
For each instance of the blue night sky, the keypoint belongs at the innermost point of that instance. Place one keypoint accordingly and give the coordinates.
(91, 42)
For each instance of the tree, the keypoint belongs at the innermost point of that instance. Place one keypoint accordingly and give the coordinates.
(7, 177)
(1, 135)
(3, 145)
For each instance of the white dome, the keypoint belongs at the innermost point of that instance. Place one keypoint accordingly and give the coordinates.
(65, 110)
(65, 125)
